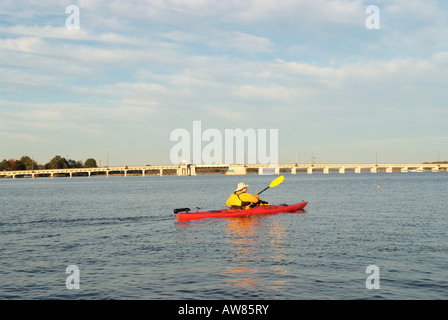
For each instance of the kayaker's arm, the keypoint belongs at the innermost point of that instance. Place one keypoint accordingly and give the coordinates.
(228, 202)
(247, 197)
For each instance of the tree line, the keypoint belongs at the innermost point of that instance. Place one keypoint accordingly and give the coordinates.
(436, 162)
(58, 162)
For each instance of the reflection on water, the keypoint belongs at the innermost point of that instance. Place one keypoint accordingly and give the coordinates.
(242, 239)
(247, 240)
(277, 233)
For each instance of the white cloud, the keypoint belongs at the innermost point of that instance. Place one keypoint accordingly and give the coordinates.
(233, 114)
(305, 15)
(242, 42)
(15, 137)
(85, 35)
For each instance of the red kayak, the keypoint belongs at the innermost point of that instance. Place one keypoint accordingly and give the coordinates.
(230, 213)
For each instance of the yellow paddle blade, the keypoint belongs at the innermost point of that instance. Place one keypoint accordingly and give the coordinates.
(276, 182)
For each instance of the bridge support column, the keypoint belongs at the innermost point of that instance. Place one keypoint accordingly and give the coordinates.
(186, 170)
(404, 169)
(326, 170)
(309, 170)
(161, 172)
(71, 175)
(373, 170)
(435, 169)
(389, 169)
(89, 173)
(357, 170)
(125, 173)
(293, 171)
(342, 170)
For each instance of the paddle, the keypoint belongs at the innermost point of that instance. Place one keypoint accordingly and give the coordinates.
(273, 184)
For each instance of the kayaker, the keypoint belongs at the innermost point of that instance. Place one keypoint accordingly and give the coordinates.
(240, 198)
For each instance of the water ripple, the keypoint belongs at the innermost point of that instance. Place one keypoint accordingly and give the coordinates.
(124, 238)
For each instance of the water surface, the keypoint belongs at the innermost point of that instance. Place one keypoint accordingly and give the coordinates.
(122, 234)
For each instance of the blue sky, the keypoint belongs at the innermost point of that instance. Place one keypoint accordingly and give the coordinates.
(137, 70)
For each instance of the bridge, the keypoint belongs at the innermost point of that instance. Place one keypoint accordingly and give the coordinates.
(185, 169)
(326, 168)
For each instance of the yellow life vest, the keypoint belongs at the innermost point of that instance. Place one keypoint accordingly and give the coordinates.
(235, 202)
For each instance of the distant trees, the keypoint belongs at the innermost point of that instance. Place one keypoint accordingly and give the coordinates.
(90, 163)
(28, 163)
(435, 162)
(58, 162)
(8, 165)
(25, 163)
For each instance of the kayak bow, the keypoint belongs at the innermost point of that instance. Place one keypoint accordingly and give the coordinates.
(230, 213)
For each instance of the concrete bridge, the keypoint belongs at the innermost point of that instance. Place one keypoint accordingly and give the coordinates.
(143, 170)
(326, 168)
(185, 169)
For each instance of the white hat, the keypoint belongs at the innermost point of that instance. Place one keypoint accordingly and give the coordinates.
(241, 186)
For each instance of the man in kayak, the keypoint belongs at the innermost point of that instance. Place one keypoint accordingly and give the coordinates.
(240, 199)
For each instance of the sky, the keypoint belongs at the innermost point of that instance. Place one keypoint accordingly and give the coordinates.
(115, 87)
